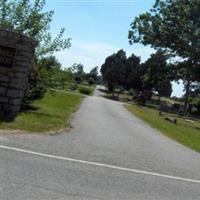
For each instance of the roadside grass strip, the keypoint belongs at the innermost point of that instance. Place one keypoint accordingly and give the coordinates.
(47, 114)
(182, 132)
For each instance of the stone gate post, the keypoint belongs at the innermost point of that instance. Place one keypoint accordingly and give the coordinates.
(16, 59)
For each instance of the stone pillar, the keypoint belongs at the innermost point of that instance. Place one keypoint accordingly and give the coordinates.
(16, 59)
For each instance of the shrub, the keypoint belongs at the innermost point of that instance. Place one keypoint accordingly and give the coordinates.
(131, 92)
(36, 87)
(36, 92)
(73, 86)
(143, 96)
(78, 79)
(197, 105)
(91, 81)
(85, 90)
(176, 107)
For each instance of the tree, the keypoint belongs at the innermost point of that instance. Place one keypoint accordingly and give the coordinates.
(165, 88)
(49, 62)
(134, 73)
(93, 73)
(136, 76)
(174, 26)
(114, 70)
(105, 69)
(51, 74)
(91, 81)
(78, 72)
(195, 95)
(158, 74)
(55, 77)
(188, 77)
(25, 17)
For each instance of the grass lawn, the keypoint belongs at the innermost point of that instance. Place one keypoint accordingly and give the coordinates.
(81, 88)
(50, 113)
(184, 132)
(122, 97)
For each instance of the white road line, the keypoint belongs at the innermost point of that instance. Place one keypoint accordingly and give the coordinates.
(100, 164)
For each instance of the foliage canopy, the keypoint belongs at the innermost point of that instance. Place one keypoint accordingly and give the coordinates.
(28, 17)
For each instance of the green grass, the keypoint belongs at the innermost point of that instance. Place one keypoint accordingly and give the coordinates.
(84, 89)
(164, 99)
(50, 113)
(121, 97)
(184, 132)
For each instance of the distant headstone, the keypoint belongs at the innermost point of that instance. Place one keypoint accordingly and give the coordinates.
(16, 59)
(172, 120)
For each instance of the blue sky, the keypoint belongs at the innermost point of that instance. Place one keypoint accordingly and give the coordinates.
(98, 29)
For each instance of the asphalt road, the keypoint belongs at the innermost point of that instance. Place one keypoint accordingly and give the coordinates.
(108, 154)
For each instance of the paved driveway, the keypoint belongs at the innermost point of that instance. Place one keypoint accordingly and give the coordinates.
(108, 154)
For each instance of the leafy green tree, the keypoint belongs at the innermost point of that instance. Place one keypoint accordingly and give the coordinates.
(93, 73)
(188, 77)
(114, 70)
(91, 81)
(195, 90)
(165, 88)
(134, 74)
(158, 74)
(195, 95)
(55, 78)
(28, 17)
(77, 68)
(60, 78)
(49, 62)
(105, 70)
(174, 26)
(78, 72)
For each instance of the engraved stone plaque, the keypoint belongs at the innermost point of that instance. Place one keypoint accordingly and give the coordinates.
(7, 56)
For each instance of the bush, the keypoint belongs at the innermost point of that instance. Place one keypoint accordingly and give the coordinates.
(78, 79)
(175, 98)
(176, 107)
(143, 96)
(131, 92)
(85, 90)
(36, 92)
(36, 87)
(91, 81)
(197, 105)
(73, 86)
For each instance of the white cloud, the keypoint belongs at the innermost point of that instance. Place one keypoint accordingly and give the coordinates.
(94, 54)
(99, 49)
(143, 52)
(89, 54)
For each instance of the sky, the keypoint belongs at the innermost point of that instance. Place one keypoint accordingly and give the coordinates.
(98, 28)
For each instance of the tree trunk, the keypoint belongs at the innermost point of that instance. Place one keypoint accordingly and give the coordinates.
(187, 94)
(113, 94)
(158, 99)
